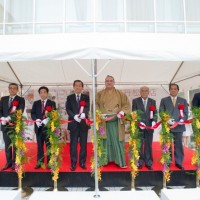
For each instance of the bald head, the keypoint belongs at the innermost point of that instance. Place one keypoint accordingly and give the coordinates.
(144, 92)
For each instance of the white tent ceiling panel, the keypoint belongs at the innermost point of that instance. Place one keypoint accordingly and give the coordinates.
(6, 73)
(188, 69)
(39, 72)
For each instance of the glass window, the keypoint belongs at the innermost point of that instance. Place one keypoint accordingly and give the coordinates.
(48, 28)
(1, 10)
(169, 10)
(79, 10)
(141, 27)
(192, 10)
(109, 27)
(193, 27)
(18, 29)
(109, 10)
(79, 27)
(1, 29)
(170, 27)
(140, 10)
(49, 10)
(19, 10)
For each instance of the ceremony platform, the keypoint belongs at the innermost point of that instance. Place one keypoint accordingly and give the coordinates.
(183, 194)
(112, 175)
(117, 195)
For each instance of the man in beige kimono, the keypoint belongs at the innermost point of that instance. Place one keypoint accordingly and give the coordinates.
(113, 102)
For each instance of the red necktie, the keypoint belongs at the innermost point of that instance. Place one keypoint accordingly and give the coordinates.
(42, 107)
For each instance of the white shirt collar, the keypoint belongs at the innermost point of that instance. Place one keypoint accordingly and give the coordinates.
(12, 97)
(45, 100)
(145, 99)
(78, 95)
(173, 97)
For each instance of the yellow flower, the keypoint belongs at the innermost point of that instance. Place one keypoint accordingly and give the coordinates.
(167, 176)
(134, 116)
(52, 126)
(197, 123)
(17, 128)
(162, 160)
(198, 174)
(194, 159)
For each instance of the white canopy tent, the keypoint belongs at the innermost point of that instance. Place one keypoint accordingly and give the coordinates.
(153, 59)
(133, 59)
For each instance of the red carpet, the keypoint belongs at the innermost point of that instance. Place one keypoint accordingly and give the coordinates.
(29, 167)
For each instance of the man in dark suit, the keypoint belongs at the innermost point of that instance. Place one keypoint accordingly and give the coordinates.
(38, 113)
(78, 128)
(172, 104)
(147, 106)
(6, 109)
(196, 100)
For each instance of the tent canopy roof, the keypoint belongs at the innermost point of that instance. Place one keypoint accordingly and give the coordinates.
(131, 58)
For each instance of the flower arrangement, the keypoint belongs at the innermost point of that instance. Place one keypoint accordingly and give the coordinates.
(17, 136)
(196, 132)
(134, 142)
(54, 133)
(101, 151)
(165, 140)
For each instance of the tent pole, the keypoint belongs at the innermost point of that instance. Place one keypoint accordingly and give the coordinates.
(177, 71)
(94, 129)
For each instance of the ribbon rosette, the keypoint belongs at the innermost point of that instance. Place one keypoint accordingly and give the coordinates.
(82, 105)
(181, 108)
(152, 109)
(47, 109)
(14, 106)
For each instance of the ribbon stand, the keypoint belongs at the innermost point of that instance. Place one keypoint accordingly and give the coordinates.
(132, 184)
(96, 195)
(55, 186)
(164, 182)
(19, 183)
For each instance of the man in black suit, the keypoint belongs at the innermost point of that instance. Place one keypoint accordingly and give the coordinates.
(78, 128)
(6, 109)
(196, 100)
(146, 105)
(171, 104)
(38, 113)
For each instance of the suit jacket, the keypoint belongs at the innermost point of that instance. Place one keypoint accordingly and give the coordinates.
(167, 105)
(5, 110)
(137, 104)
(196, 100)
(36, 111)
(72, 109)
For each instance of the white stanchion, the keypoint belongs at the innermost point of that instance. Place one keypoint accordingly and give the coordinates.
(10, 194)
(2, 145)
(117, 195)
(183, 194)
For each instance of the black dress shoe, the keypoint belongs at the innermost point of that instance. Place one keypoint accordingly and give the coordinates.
(13, 167)
(149, 167)
(82, 165)
(179, 166)
(37, 166)
(139, 166)
(7, 166)
(73, 167)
